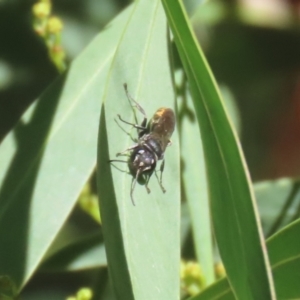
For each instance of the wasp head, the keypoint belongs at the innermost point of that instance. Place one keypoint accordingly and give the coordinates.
(142, 163)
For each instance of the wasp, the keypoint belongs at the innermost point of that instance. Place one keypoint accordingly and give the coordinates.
(153, 138)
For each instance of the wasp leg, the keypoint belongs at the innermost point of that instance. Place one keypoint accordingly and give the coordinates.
(161, 169)
(133, 182)
(146, 184)
(126, 150)
(135, 103)
(140, 127)
(117, 160)
(127, 133)
(142, 111)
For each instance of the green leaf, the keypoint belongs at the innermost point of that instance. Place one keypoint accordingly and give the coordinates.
(142, 241)
(234, 217)
(220, 290)
(278, 202)
(85, 253)
(47, 158)
(284, 252)
(195, 183)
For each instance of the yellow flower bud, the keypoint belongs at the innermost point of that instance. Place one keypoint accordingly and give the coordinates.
(84, 294)
(41, 10)
(54, 25)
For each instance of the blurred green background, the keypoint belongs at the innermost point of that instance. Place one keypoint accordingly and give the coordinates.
(253, 49)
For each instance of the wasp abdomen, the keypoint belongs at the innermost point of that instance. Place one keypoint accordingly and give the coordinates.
(163, 122)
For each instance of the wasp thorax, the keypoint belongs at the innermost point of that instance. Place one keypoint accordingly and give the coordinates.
(154, 144)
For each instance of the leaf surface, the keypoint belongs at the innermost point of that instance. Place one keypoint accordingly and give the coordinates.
(49, 155)
(142, 241)
(233, 209)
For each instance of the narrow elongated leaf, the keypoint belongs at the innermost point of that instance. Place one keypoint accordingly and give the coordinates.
(195, 188)
(234, 217)
(220, 290)
(284, 251)
(142, 241)
(86, 253)
(47, 158)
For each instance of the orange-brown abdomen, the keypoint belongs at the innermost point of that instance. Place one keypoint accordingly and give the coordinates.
(163, 122)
